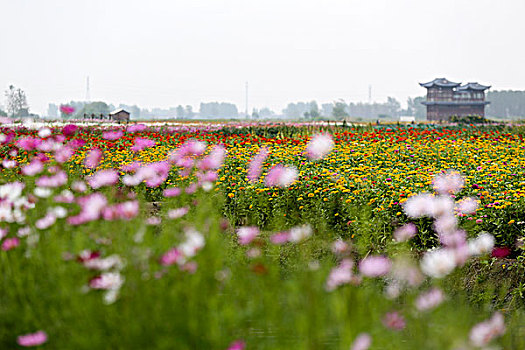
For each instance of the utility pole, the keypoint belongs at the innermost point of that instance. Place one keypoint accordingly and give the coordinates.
(88, 97)
(370, 94)
(247, 116)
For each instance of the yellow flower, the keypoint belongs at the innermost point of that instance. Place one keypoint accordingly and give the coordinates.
(231, 194)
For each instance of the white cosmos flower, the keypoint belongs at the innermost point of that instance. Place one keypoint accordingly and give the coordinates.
(438, 263)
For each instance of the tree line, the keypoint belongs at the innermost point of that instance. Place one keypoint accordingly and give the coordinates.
(506, 104)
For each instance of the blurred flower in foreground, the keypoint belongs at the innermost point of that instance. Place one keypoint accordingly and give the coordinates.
(320, 145)
(281, 176)
(247, 234)
(32, 339)
(362, 342)
(254, 170)
(394, 321)
(429, 299)
(484, 332)
(237, 345)
(375, 266)
(448, 183)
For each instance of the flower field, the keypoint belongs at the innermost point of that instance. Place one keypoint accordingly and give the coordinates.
(262, 236)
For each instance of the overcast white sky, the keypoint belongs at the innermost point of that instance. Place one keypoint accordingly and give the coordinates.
(165, 53)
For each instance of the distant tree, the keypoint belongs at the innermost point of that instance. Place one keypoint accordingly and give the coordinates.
(393, 106)
(2, 113)
(189, 112)
(255, 114)
(297, 110)
(96, 108)
(506, 104)
(327, 109)
(265, 112)
(218, 110)
(314, 110)
(16, 101)
(52, 110)
(179, 111)
(415, 107)
(339, 110)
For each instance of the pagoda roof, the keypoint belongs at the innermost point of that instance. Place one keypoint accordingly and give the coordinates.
(441, 82)
(473, 86)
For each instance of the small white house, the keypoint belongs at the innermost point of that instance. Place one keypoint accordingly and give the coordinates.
(407, 119)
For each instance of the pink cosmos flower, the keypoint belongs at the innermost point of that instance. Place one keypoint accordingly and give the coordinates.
(69, 130)
(255, 168)
(76, 143)
(483, 333)
(280, 238)
(3, 233)
(48, 145)
(281, 176)
(33, 339)
(468, 206)
(57, 180)
(112, 135)
(430, 299)
(131, 166)
(65, 196)
(33, 168)
(237, 345)
(419, 205)
(194, 147)
(446, 224)
(142, 143)
(28, 143)
(126, 210)
(438, 263)
(106, 177)
(91, 209)
(178, 213)
(448, 183)
(404, 233)
(192, 188)
(375, 266)
(9, 163)
(63, 154)
(320, 145)
(453, 238)
(340, 247)
(136, 128)
(67, 110)
(247, 234)
(213, 160)
(93, 158)
(340, 275)
(172, 192)
(394, 321)
(10, 243)
(362, 342)
(107, 280)
(45, 222)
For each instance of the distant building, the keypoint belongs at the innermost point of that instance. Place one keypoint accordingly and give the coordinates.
(446, 99)
(119, 115)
